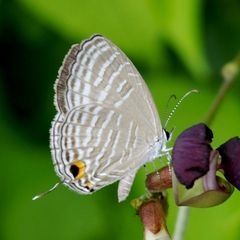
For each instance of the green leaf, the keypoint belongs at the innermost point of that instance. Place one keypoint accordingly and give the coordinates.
(129, 24)
(180, 26)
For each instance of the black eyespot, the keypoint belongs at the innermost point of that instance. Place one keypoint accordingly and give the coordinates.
(90, 189)
(74, 170)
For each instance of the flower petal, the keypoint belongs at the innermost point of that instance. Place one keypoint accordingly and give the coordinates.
(230, 153)
(208, 190)
(191, 153)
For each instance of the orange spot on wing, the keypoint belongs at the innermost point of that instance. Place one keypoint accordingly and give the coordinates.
(78, 169)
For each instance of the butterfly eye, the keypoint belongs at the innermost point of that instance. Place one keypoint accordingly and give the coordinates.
(167, 134)
(77, 169)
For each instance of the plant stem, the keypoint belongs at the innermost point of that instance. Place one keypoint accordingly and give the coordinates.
(230, 73)
(181, 223)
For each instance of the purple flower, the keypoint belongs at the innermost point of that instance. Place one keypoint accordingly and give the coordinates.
(208, 190)
(191, 153)
(230, 154)
(194, 179)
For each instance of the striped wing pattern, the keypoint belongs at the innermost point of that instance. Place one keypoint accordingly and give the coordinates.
(106, 118)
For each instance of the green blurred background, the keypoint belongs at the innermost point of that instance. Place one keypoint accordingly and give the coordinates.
(177, 45)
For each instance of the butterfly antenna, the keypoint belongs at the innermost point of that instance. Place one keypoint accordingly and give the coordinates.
(167, 105)
(177, 105)
(48, 191)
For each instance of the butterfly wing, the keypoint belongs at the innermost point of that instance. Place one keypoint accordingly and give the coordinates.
(106, 119)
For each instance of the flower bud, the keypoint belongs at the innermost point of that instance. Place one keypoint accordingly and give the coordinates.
(153, 216)
(159, 180)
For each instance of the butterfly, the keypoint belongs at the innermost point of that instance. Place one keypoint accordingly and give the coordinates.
(107, 125)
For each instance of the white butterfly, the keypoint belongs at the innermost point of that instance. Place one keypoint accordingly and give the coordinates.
(107, 125)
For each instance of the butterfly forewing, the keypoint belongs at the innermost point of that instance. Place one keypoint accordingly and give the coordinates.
(106, 117)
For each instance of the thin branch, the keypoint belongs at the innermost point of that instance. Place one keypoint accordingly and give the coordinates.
(229, 73)
(181, 223)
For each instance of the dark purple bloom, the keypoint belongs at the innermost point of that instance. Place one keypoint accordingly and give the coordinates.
(191, 153)
(230, 153)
